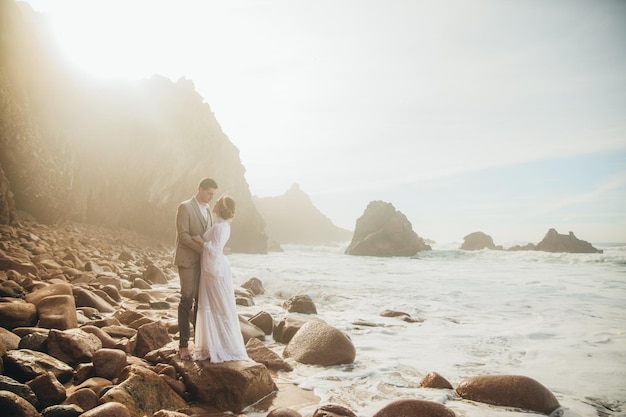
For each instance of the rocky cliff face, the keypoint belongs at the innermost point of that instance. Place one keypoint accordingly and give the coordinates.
(292, 218)
(109, 153)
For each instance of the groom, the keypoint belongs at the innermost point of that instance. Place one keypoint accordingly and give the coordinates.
(192, 218)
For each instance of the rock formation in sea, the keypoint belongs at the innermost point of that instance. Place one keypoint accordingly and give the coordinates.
(114, 153)
(478, 241)
(384, 231)
(555, 242)
(292, 218)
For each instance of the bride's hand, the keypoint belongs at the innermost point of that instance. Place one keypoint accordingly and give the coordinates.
(197, 239)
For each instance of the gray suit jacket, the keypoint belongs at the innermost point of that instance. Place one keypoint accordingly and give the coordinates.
(189, 222)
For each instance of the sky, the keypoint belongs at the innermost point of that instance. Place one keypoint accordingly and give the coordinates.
(506, 117)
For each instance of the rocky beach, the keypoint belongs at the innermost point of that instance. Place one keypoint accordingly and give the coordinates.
(88, 328)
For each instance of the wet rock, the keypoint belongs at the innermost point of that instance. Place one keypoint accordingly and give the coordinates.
(17, 313)
(434, 380)
(258, 352)
(57, 312)
(287, 328)
(151, 336)
(110, 409)
(13, 405)
(9, 339)
(283, 412)
(231, 386)
(16, 387)
(318, 343)
(108, 363)
(264, 321)
(62, 410)
(105, 338)
(143, 392)
(53, 289)
(48, 389)
(300, 304)
(72, 346)
(154, 275)
(333, 410)
(24, 365)
(412, 407)
(85, 398)
(249, 330)
(141, 284)
(82, 372)
(254, 285)
(86, 298)
(510, 391)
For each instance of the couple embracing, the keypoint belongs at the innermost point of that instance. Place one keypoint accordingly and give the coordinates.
(206, 286)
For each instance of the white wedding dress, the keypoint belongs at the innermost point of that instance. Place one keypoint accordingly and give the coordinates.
(217, 332)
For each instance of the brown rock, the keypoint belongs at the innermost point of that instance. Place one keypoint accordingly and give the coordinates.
(111, 409)
(17, 313)
(254, 285)
(143, 392)
(264, 321)
(333, 410)
(555, 242)
(85, 398)
(258, 352)
(414, 408)
(24, 365)
(249, 330)
(72, 346)
(383, 231)
(283, 412)
(48, 389)
(167, 413)
(108, 363)
(82, 372)
(105, 338)
(53, 289)
(86, 298)
(317, 343)
(154, 275)
(57, 312)
(434, 380)
(287, 328)
(300, 304)
(151, 336)
(96, 384)
(510, 391)
(13, 405)
(477, 241)
(230, 386)
(141, 284)
(9, 339)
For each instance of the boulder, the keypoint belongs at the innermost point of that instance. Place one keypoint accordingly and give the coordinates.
(72, 346)
(384, 231)
(53, 289)
(108, 363)
(254, 285)
(21, 389)
(411, 407)
(151, 336)
(300, 304)
(48, 389)
(434, 380)
(555, 242)
(510, 391)
(230, 386)
(264, 321)
(142, 392)
(478, 241)
(258, 352)
(17, 313)
(57, 312)
(24, 365)
(85, 398)
(13, 405)
(287, 328)
(318, 343)
(111, 409)
(333, 410)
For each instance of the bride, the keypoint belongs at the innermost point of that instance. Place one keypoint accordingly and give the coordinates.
(217, 332)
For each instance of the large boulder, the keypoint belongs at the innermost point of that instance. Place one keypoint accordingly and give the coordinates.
(555, 242)
(478, 241)
(24, 365)
(229, 386)
(411, 407)
(143, 392)
(318, 343)
(510, 391)
(384, 231)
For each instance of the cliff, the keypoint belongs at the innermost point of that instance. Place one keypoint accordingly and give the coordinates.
(113, 153)
(292, 218)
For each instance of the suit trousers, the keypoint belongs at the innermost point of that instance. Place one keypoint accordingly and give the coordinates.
(189, 279)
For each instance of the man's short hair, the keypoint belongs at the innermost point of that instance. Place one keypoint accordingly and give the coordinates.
(207, 183)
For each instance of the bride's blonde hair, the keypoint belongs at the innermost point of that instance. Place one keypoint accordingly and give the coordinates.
(225, 207)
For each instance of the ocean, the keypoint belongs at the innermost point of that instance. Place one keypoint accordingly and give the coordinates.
(555, 317)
